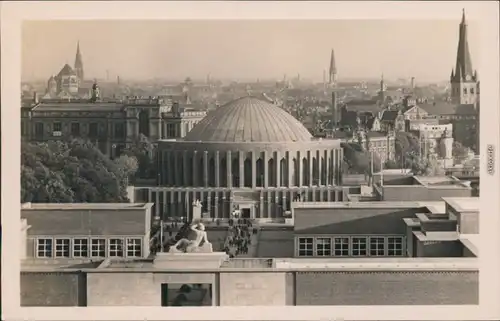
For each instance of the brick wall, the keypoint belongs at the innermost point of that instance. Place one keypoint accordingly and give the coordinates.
(53, 289)
(387, 288)
(243, 289)
(135, 289)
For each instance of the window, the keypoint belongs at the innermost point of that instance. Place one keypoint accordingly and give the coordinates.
(75, 129)
(171, 132)
(93, 130)
(134, 247)
(465, 90)
(341, 246)
(377, 246)
(57, 127)
(80, 248)
(395, 246)
(323, 246)
(119, 130)
(359, 246)
(115, 247)
(44, 248)
(98, 248)
(62, 247)
(306, 246)
(472, 90)
(39, 129)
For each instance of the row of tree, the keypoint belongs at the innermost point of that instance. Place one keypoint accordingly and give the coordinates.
(358, 158)
(77, 171)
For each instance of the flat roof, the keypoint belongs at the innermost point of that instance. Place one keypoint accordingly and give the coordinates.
(471, 241)
(463, 204)
(441, 181)
(436, 236)
(70, 106)
(278, 265)
(84, 206)
(376, 204)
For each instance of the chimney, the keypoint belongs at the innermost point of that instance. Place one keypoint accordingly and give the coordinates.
(35, 98)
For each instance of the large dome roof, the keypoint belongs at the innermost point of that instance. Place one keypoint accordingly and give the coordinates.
(249, 119)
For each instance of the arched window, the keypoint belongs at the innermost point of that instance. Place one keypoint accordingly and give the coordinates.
(283, 172)
(248, 172)
(271, 170)
(259, 168)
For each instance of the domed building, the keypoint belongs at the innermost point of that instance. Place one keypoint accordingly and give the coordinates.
(248, 155)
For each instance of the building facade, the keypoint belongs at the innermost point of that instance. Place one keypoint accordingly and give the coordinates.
(248, 155)
(112, 124)
(85, 231)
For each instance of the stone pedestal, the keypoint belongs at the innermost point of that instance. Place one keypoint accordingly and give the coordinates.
(212, 260)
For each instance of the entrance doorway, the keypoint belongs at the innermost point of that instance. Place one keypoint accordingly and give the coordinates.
(245, 213)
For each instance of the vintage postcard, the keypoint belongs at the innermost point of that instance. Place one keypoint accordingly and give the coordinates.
(277, 161)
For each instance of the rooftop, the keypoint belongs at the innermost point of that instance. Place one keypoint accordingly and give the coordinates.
(84, 206)
(463, 204)
(78, 105)
(272, 265)
(377, 204)
(249, 119)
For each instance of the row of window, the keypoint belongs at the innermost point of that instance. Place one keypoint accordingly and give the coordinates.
(344, 246)
(84, 247)
(75, 129)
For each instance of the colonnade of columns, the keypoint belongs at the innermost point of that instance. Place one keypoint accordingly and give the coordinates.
(269, 204)
(250, 169)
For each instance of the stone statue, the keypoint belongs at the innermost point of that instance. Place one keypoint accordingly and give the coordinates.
(193, 239)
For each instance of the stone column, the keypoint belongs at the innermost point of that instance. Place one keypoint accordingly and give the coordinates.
(241, 161)
(185, 180)
(205, 168)
(268, 214)
(171, 205)
(254, 172)
(229, 170)
(320, 166)
(301, 171)
(266, 169)
(165, 207)
(310, 161)
(195, 168)
(277, 167)
(209, 204)
(335, 165)
(216, 205)
(217, 174)
(327, 159)
(290, 170)
(261, 205)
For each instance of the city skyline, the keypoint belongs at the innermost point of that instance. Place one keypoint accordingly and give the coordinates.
(395, 49)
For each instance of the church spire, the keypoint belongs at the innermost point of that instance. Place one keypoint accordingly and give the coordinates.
(463, 66)
(333, 69)
(79, 62)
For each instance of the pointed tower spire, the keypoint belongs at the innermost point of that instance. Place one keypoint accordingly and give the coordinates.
(463, 65)
(333, 68)
(79, 62)
(463, 79)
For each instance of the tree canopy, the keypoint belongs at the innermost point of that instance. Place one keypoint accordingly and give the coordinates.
(73, 172)
(143, 150)
(459, 151)
(359, 160)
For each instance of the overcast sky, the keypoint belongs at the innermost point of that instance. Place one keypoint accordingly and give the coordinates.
(248, 49)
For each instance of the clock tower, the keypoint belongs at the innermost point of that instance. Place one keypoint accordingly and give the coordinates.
(464, 80)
